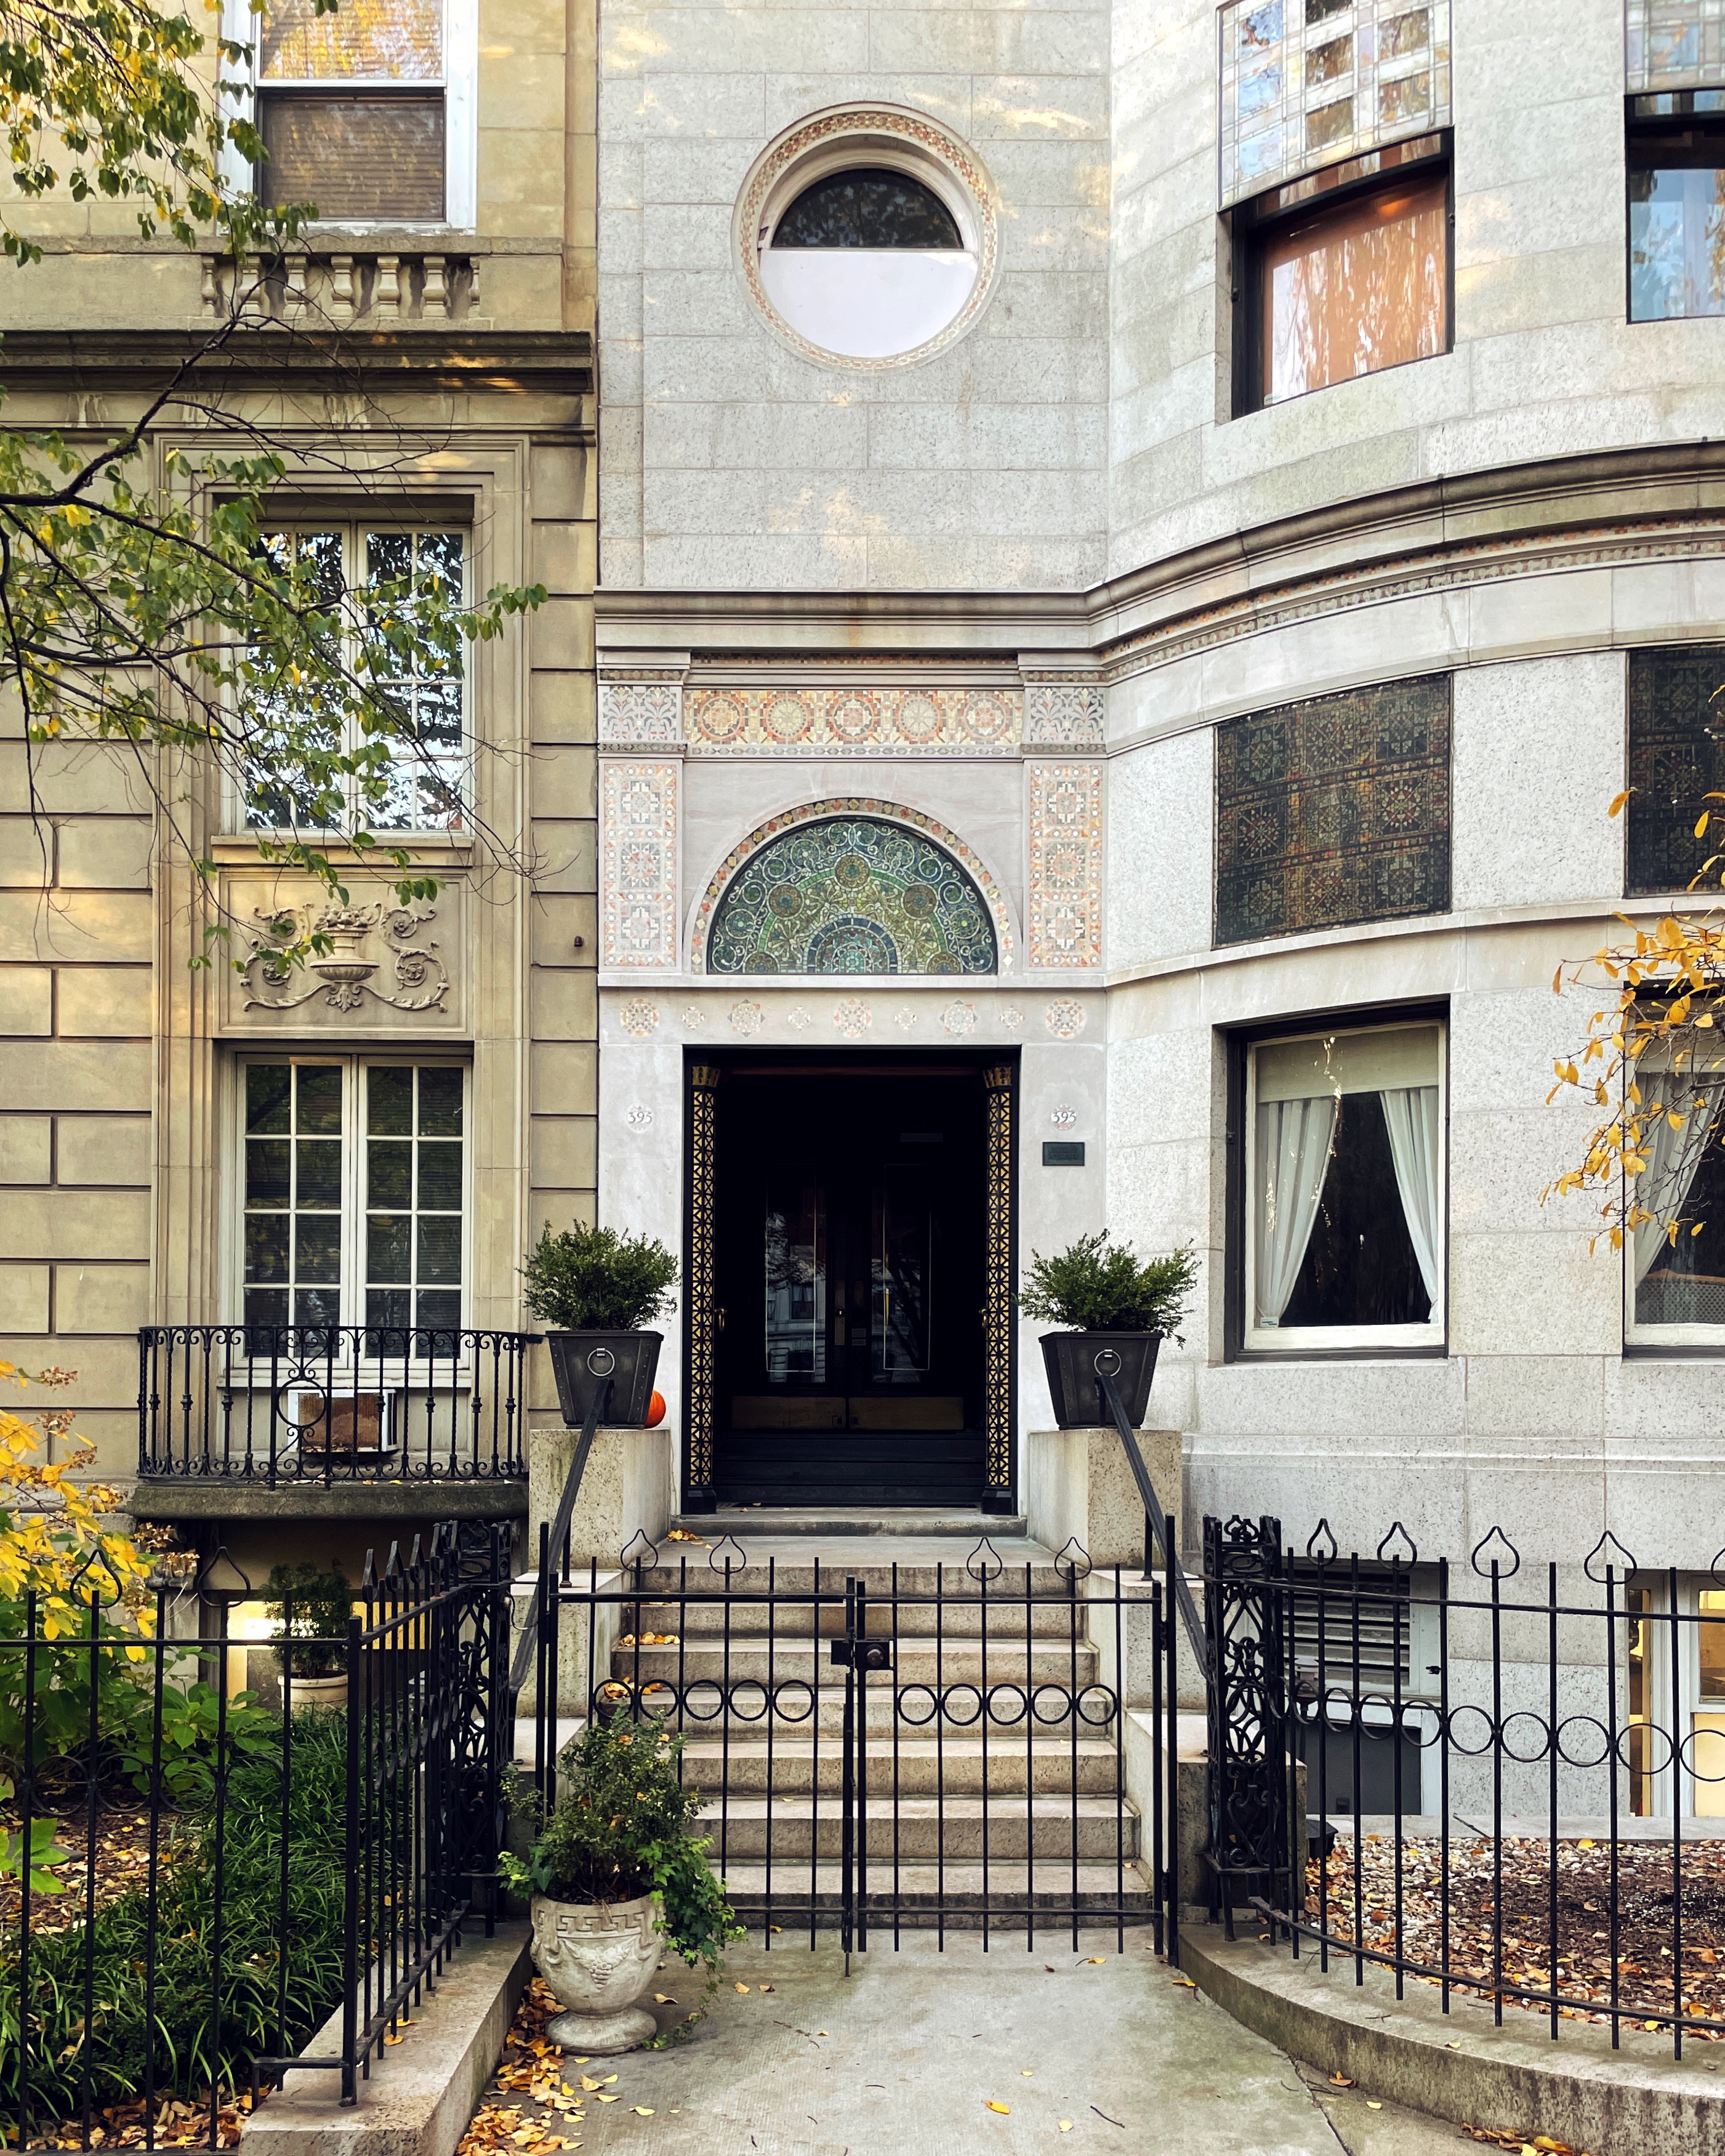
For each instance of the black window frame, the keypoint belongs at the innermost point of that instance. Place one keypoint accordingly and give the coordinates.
(1643, 127)
(1257, 222)
(1238, 1042)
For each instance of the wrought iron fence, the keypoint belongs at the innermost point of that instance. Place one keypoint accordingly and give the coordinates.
(332, 1404)
(192, 1884)
(1501, 1780)
(926, 1746)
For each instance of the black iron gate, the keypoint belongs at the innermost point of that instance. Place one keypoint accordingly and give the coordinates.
(969, 1745)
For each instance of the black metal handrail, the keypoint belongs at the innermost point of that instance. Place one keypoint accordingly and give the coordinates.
(555, 1538)
(1160, 1524)
(327, 1405)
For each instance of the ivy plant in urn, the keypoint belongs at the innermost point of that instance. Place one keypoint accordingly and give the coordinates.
(595, 1291)
(1117, 1309)
(614, 1878)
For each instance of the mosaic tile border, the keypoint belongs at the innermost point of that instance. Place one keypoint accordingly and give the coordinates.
(846, 721)
(811, 812)
(643, 712)
(638, 865)
(1064, 714)
(1063, 915)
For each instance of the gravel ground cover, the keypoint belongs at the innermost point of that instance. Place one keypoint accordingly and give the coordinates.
(1581, 1953)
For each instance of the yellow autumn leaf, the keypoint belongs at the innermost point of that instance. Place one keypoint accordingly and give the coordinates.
(1065, 2125)
(1004, 2109)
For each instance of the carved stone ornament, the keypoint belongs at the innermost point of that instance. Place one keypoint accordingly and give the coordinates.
(381, 951)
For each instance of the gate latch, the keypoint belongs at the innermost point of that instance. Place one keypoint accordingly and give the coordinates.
(863, 1653)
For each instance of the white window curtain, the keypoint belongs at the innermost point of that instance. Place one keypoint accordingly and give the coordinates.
(1411, 1114)
(1673, 1156)
(1293, 1158)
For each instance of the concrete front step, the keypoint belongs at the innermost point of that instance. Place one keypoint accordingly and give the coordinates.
(919, 1829)
(742, 1616)
(836, 1522)
(746, 1715)
(955, 1888)
(1068, 1662)
(920, 1765)
(743, 1574)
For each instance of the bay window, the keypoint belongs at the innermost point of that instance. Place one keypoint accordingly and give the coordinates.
(353, 1179)
(1345, 1180)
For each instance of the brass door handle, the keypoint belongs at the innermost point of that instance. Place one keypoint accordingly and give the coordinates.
(718, 1317)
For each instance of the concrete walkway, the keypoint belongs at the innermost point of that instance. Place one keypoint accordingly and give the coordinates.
(903, 2058)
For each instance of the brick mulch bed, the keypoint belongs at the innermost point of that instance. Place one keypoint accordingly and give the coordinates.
(1583, 1945)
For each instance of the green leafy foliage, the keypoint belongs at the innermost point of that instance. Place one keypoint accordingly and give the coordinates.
(621, 1829)
(312, 1606)
(45, 1855)
(593, 1279)
(1098, 1285)
(272, 1935)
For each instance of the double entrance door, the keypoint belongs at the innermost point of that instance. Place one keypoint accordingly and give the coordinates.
(849, 1251)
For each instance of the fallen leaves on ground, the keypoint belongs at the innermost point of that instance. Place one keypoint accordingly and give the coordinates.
(1524, 2144)
(1004, 2109)
(181, 2122)
(1581, 1966)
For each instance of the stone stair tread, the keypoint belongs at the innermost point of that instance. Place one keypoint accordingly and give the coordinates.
(1056, 1804)
(1001, 1877)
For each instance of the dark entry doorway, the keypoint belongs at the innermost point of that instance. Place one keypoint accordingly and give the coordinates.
(849, 1244)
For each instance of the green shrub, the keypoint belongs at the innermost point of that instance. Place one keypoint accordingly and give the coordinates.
(621, 1829)
(1096, 1285)
(313, 1606)
(265, 1945)
(594, 1280)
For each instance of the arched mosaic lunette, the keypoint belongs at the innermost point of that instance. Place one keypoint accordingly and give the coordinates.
(869, 887)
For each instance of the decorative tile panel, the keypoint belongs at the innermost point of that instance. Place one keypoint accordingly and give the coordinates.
(851, 895)
(815, 812)
(1334, 811)
(638, 864)
(1063, 924)
(1675, 761)
(641, 712)
(840, 721)
(1674, 44)
(1064, 713)
(1307, 83)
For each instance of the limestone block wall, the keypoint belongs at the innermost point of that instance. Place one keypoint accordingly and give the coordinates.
(730, 461)
(1543, 363)
(76, 1096)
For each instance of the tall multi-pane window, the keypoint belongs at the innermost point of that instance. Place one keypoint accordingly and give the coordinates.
(353, 107)
(1677, 1258)
(1345, 1178)
(354, 1181)
(355, 570)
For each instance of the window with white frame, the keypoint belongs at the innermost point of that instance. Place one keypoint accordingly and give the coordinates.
(354, 1182)
(1688, 1732)
(431, 770)
(366, 112)
(1345, 1177)
(1676, 1260)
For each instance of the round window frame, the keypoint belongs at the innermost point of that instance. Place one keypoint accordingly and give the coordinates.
(842, 138)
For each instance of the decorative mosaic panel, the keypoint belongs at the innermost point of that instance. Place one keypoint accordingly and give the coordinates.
(1676, 757)
(839, 722)
(640, 713)
(1334, 811)
(851, 895)
(638, 864)
(1307, 83)
(1674, 44)
(1063, 926)
(1064, 713)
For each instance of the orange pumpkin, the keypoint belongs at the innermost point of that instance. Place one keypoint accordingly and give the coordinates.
(655, 1411)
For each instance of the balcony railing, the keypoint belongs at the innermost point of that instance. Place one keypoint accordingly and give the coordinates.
(376, 287)
(326, 1404)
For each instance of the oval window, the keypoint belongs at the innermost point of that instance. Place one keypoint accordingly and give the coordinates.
(868, 263)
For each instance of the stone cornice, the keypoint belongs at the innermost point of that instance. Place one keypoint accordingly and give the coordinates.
(409, 356)
(1515, 520)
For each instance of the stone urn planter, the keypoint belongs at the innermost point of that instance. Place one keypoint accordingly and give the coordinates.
(1074, 1359)
(326, 1692)
(598, 1957)
(582, 1360)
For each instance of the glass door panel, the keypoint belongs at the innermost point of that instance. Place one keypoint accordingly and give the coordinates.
(796, 1285)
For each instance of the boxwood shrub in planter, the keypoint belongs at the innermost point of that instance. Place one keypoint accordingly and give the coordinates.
(1119, 1309)
(594, 1291)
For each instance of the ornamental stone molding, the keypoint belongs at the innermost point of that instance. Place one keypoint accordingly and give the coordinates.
(378, 962)
(891, 812)
(638, 865)
(849, 720)
(1063, 915)
(1064, 713)
(642, 709)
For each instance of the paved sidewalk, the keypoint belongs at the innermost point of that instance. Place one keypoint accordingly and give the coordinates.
(904, 2056)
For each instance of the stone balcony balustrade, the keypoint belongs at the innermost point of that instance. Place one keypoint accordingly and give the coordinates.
(375, 286)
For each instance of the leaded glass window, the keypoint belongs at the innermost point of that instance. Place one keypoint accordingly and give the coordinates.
(867, 208)
(851, 895)
(1677, 759)
(1674, 44)
(1309, 83)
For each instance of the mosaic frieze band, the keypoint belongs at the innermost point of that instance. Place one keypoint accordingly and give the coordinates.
(638, 864)
(1674, 44)
(1063, 920)
(842, 720)
(1334, 811)
(1304, 87)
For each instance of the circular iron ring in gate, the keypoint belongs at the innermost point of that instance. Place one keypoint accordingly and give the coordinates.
(691, 1701)
(1591, 1723)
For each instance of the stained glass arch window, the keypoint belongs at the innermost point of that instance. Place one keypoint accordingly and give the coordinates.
(852, 895)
